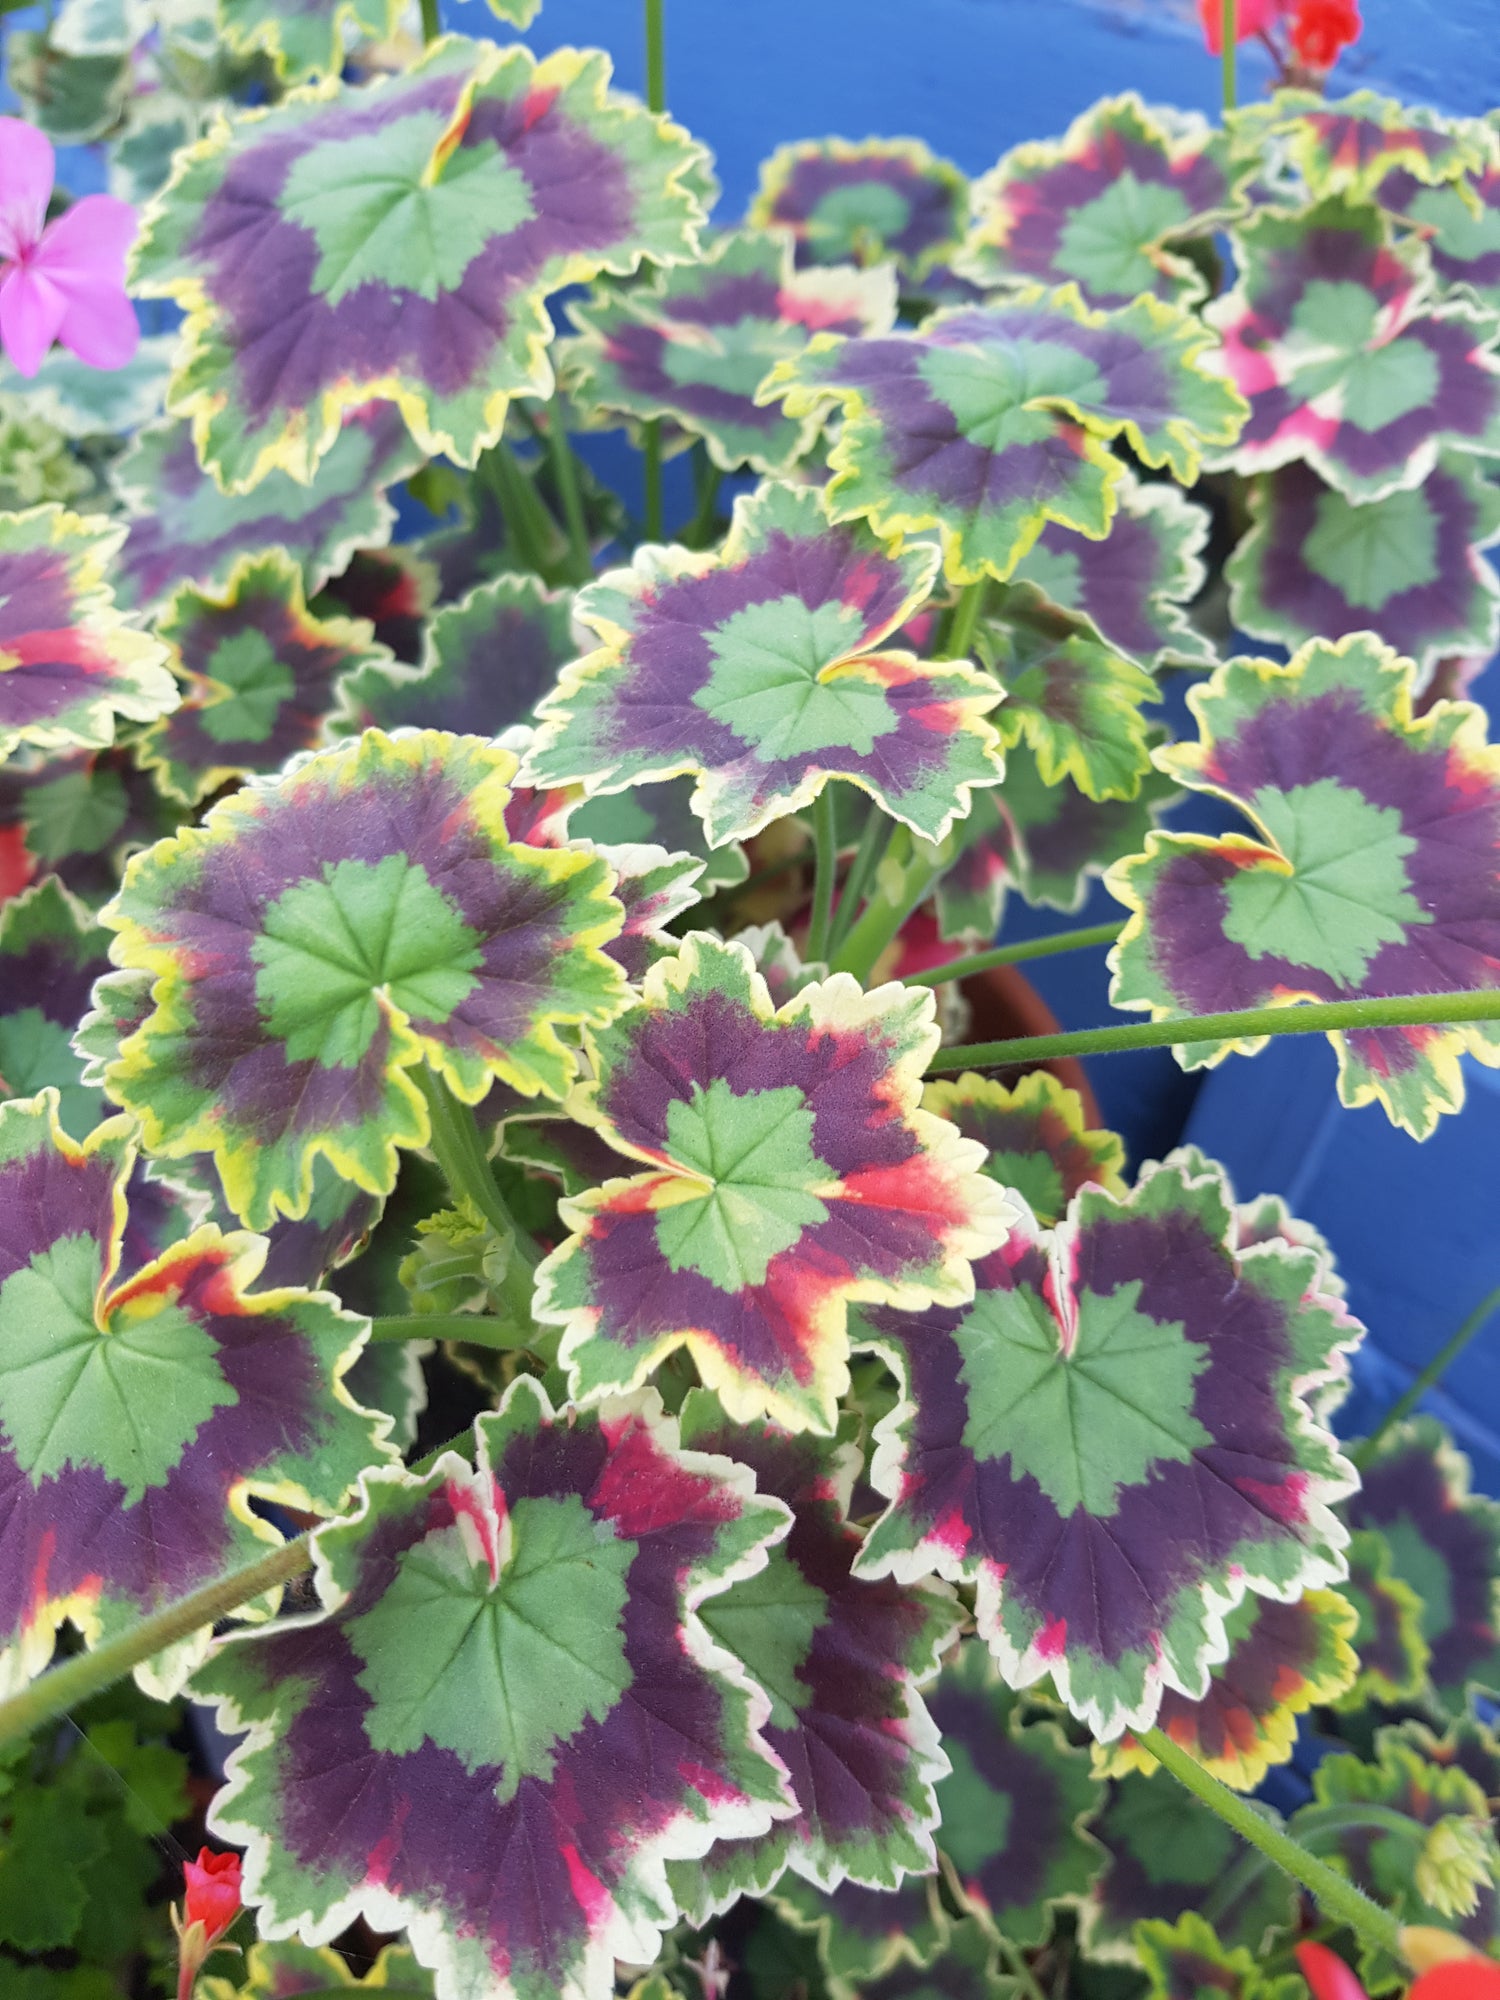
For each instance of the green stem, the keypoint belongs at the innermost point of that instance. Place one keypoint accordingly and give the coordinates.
(826, 868)
(1230, 30)
(459, 1150)
(656, 55)
(432, 20)
(964, 622)
(1407, 1010)
(857, 880)
(1024, 1976)
(1335, 1895)
(1433, 1373)
(651, 519)
(478, 1329)
(88, 1674)
(1016, 954)
(882, 918)
(565, 473)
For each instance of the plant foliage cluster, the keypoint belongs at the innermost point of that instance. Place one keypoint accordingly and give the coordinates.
(514, 981)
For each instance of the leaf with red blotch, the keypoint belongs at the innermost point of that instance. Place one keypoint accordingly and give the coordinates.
(141, 1413)
(182, 528)
(70, 667)
(1015, 1807)
(765, 669)
(1108, 206)
(1115, 1378)
(1377, 869)
(488, 660)
(259, 674)
(864, 202)
(841, 1659)
(791, 1173)
(511, 1662)
(943, 428)
(1393, 1654)
(1353, 145)
(323, 933)
(1035, 1138)
(1444, 1543)
(693, 345)
(1283, 1660)
(397, 243)
(1348, 363)
(1316, 565)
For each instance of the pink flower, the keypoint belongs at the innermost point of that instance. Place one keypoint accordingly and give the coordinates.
(62, 280)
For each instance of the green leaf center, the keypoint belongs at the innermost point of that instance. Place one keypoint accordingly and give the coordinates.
(380, 219)
(775, 680)
(499, 1669)
(126, 1401)
(1087, 1420)
(755, 1154)
(1347, 893)
(330, 943)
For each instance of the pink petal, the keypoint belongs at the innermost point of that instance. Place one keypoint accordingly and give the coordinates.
(99, 324)
(90, 241)
(31, 311)
(26, 170)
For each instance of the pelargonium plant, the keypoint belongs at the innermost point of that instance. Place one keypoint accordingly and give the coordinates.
(675, 1468)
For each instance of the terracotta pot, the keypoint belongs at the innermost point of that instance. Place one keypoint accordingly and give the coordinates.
(1004, 1004)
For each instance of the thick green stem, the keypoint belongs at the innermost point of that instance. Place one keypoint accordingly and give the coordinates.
(1230, 29)
(1408, 1010)
(88, 1674)
(651, 518)
(1334, 1894)
(656, 55)
(565, 473)
(459, 1150)
(1016, 954)
(909, 878)
(1432, 1374)
(826, 868)
(432, 20)
(964, 622)
(857, 880)
(478, 1329)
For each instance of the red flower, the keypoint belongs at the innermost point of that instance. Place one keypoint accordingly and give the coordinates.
(213, 1892)
(211, 1905)
(1455, 1979)
(1252, 17)
(1321, 28)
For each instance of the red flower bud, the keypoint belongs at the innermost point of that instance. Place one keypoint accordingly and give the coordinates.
(1321, 28)
(213, 1893)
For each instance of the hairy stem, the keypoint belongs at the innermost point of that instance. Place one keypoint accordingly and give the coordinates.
(88, 1674)
(826, 866)
(1016, 954)
(478, 1329)
(1432, 1374)
(857, 880)
(1407, 1010)
(1334, 1894)
(1230, 30)
(565, 473)
(964, 621)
